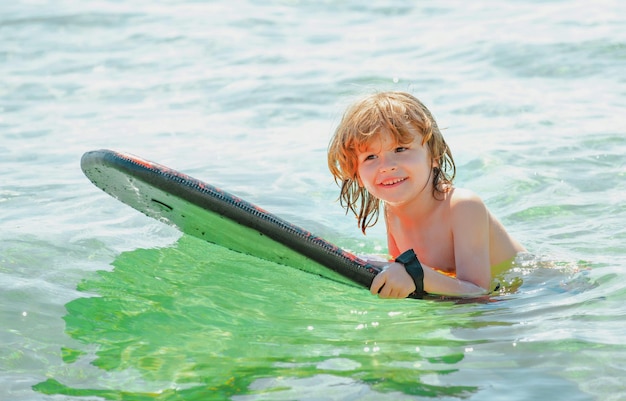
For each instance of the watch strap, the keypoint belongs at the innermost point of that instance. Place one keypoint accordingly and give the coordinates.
(415, 270)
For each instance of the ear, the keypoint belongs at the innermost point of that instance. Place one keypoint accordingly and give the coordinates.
(435, 163)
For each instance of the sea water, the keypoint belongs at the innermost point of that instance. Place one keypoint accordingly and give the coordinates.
(98, 302)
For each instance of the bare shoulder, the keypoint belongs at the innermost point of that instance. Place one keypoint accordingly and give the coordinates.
(470, 213)
(466, 201)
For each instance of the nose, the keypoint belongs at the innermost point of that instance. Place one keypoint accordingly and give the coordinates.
(387, 163)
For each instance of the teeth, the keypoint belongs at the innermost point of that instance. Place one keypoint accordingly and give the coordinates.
(397, 180)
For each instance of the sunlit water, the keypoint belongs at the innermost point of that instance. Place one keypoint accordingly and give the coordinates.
(99, 302)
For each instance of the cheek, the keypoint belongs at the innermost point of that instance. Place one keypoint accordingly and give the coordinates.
(364, 175)
(365, 168)
(359, 174)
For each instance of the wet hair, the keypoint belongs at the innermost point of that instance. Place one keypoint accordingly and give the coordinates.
(400, 115)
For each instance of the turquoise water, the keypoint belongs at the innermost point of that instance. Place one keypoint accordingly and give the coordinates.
(99, 302)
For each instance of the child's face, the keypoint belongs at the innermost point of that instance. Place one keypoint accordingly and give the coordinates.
(393, 172)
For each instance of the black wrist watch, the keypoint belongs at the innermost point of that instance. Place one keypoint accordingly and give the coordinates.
(415, 270)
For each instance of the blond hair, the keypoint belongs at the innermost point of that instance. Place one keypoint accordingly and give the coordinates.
(399, 114)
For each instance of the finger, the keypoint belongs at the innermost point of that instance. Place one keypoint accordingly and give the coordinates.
(397, 293)
(386, 291)
(377, 283)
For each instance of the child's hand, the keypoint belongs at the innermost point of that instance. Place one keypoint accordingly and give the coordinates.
(393, 282)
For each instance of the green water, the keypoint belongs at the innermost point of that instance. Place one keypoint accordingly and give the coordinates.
(98, 302)
(171, 317)
(194, 319)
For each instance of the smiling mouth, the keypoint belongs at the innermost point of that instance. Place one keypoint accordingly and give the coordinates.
(391, 182)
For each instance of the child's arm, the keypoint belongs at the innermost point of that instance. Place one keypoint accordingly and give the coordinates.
(470, 230)
(395, 282)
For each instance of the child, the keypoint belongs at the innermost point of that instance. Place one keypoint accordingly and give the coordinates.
(388, 150)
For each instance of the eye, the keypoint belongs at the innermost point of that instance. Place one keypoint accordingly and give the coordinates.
(401, 149)
(369, 157)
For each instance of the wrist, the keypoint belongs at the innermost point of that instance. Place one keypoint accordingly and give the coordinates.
(414, 268)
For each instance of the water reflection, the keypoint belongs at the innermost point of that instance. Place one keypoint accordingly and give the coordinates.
(183, 323)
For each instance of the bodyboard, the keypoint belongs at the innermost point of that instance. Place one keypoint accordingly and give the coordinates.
(207, 212)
